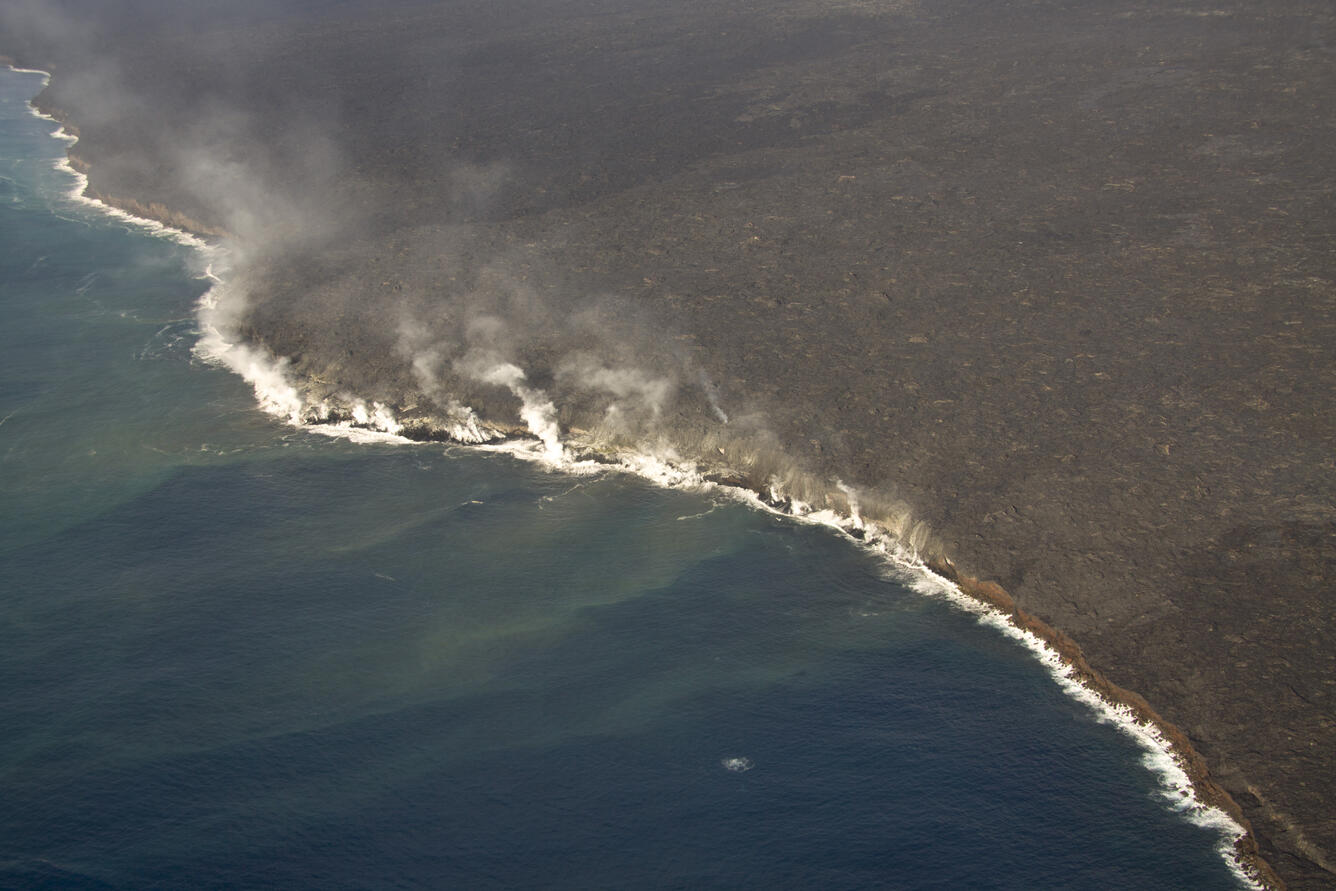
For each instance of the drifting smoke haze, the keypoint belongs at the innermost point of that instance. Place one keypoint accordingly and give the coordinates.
(453, 330)
(379, 263)
(1057, 275)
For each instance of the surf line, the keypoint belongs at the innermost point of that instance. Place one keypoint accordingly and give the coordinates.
(1184, 782)
(78, 191)
(1182, 775)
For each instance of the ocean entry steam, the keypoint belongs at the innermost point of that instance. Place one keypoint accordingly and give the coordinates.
(240, 653)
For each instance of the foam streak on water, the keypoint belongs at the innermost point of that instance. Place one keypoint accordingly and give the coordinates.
(278, 395)
(79, 185)
(1158, 755)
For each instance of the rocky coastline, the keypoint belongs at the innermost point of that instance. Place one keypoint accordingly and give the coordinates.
(1074, 306)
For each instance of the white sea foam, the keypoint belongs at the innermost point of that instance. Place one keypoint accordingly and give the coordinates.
(908, 567)
(374, 422)
(1158, 755)
(277, 395)
(353, 433)
(266, 375)
(76, 194)
(79, 186)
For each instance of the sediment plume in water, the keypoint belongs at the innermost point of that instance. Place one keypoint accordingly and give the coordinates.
(622, 418)
(473, 388)
(753, 468)
(602, 404)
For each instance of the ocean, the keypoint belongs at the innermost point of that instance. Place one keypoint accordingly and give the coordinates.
(239, 653)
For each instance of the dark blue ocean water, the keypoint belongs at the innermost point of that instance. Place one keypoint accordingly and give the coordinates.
(235, 654)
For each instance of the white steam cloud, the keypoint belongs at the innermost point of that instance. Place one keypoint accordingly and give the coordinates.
(536, 409)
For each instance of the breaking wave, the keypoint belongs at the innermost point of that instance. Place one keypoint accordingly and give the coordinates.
(747, 469)
(840, 509)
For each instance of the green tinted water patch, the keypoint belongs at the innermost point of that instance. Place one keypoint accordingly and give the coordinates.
(235, 654)
(477, 574)
(102, 399)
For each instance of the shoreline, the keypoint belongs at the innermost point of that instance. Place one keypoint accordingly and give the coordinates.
(1129, 710)
(155, 218)
(1184, 777)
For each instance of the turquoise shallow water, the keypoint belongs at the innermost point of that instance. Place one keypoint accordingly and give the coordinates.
(235, 654)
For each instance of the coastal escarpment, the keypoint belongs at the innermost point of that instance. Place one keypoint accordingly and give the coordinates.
(1208, 791)
(1060, 281)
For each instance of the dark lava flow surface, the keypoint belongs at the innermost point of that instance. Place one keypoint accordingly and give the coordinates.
(1060, 275)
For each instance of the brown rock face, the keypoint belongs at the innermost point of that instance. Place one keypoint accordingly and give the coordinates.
(1196, 767)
